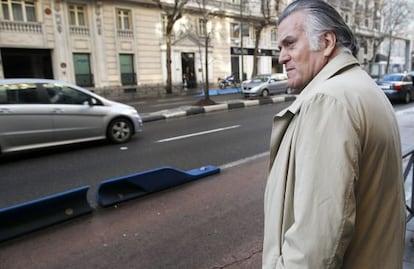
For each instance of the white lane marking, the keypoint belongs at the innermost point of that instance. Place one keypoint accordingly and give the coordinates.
(198, 133)
(244, 160)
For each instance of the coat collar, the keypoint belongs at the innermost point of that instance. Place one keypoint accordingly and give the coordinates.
(342, 61)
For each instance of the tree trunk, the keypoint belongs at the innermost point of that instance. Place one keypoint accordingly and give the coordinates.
(256, 50)
(389, 55)
(168, 86)
(206, 85)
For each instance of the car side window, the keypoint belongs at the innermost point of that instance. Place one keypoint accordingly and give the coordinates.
(3, 95)
(60, 94)
(409, 78)
(20, 93)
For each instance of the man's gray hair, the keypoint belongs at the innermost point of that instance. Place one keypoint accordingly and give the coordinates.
(321, 18)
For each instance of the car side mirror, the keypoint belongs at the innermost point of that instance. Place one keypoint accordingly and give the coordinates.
(90, 102)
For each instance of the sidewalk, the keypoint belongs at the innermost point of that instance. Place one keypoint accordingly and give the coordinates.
(406, 124)
(226, 99)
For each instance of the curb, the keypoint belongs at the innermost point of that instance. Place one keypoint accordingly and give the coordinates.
(229, 105)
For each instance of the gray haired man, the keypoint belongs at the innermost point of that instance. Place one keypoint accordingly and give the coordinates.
(334, 196)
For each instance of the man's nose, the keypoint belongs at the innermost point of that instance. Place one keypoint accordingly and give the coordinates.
(283, 57)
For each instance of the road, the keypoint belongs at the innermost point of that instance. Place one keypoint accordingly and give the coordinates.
(185, 143)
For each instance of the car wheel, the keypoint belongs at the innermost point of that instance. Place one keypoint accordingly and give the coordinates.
(407, 97)
(265, 93)
(119, 130)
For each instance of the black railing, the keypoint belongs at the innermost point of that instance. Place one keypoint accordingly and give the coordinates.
(128, 79)
(84, 80)
(408, 156)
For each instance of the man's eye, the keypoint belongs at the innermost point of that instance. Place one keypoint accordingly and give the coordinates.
(289, 43)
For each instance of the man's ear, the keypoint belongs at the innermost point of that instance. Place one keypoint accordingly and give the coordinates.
(328, 43)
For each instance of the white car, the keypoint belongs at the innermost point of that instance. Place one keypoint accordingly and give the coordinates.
(266, 84)
(36, 113)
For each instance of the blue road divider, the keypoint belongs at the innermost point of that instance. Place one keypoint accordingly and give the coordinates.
(114, 191)
(30, 216)
(221, 91)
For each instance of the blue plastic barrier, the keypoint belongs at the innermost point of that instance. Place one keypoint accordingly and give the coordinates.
(114, 191)
(30, 216)
(212, 92)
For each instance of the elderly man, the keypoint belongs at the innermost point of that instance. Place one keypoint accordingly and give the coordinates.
(334, 196)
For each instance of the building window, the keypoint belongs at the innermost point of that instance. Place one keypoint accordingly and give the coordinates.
(124, 19)
(245, 30)
(77, 15)
(235, 30)
(273, 35)
(253, 33)
(128, 76)
(202, 27)
(164, 21)
(83, 74)
(18, 10)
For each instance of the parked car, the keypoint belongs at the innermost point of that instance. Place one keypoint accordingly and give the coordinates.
(36, 113)
(397, 86)
(266, 84)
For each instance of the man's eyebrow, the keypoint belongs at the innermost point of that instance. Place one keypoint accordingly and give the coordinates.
(288, 39)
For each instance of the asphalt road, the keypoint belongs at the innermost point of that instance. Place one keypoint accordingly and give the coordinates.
(183, 143)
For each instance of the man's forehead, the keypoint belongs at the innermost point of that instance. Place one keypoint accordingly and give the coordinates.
(291, 26)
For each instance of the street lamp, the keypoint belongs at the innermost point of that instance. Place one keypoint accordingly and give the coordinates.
(241, 40)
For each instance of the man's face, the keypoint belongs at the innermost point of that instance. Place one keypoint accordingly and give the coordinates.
(302, 64)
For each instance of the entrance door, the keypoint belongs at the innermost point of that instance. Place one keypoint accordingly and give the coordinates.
(26, 63)
(187, 65)
(235, 67)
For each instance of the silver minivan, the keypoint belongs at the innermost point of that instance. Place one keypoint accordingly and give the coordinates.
(36, 113)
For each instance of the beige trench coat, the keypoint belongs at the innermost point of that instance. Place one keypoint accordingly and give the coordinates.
(334, 196)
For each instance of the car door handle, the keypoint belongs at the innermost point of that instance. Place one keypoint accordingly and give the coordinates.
(4, 110)
(58, 110)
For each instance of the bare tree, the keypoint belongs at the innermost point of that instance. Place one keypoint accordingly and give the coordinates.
(394, 16)
(173, 12)
(269, 9)
(206, 14)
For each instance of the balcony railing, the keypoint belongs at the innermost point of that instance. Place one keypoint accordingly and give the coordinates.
(19, 26)
(128, 79)
(84, 80)
(79, 30)
(126, 33)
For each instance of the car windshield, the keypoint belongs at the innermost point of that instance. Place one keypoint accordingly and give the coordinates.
(392, 77)
(260, 78)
